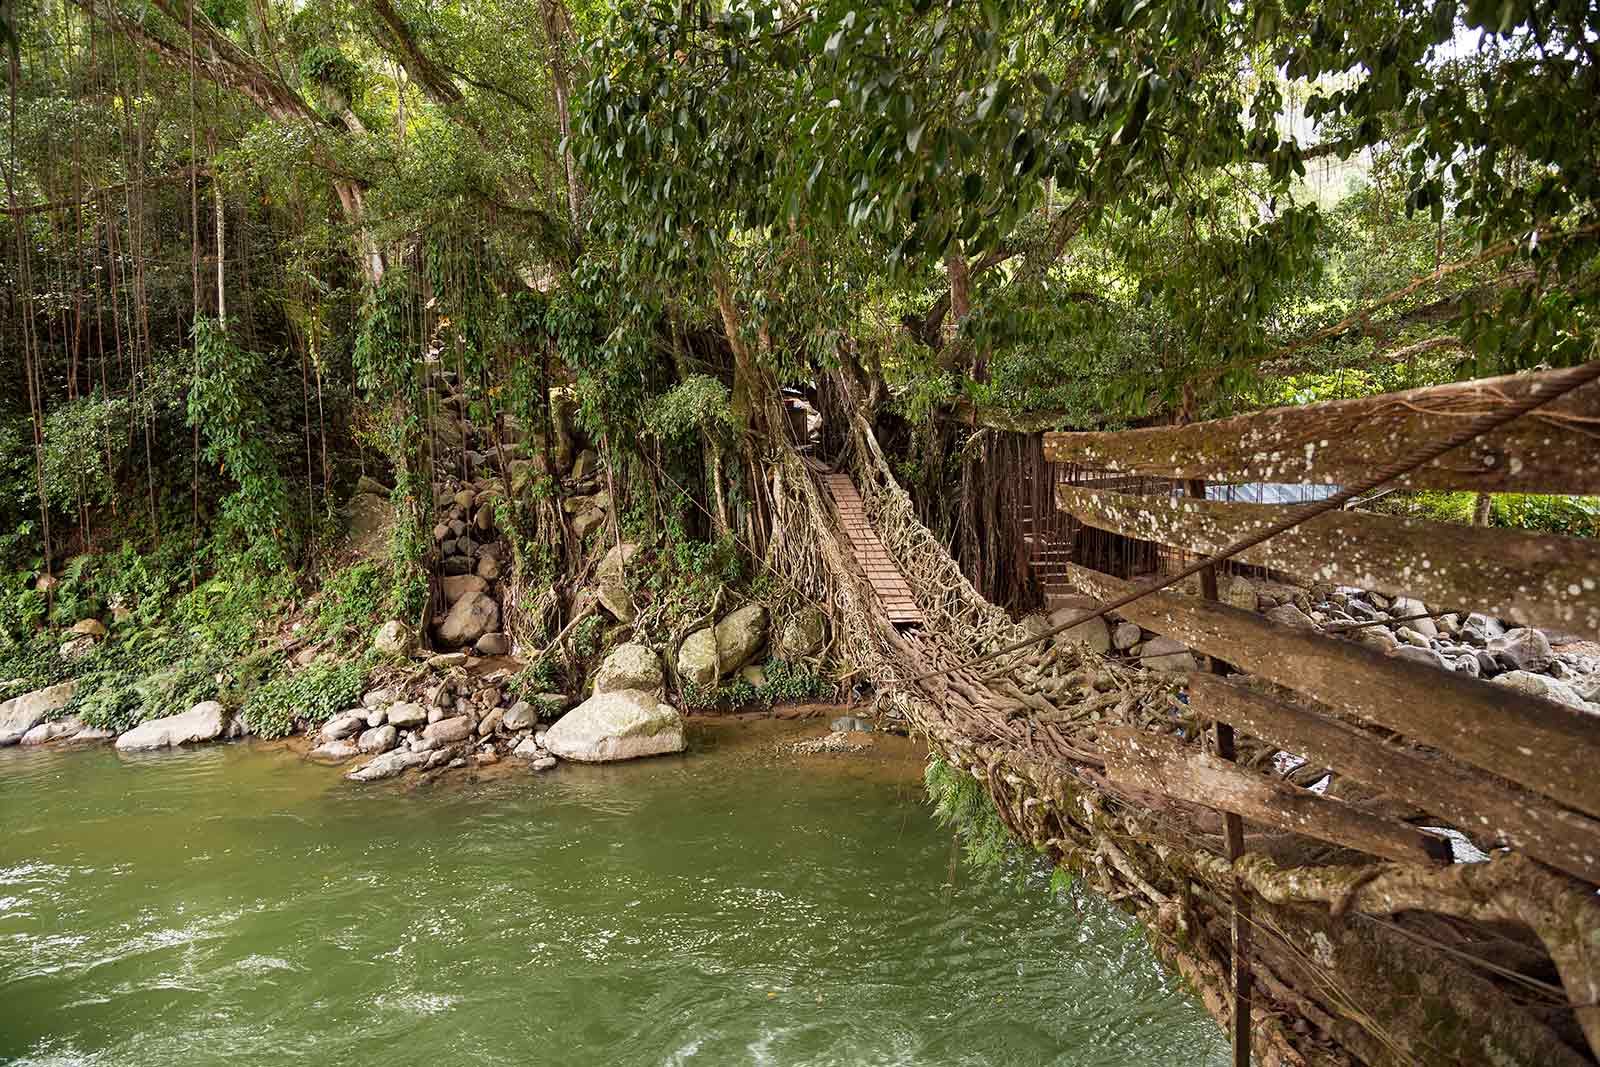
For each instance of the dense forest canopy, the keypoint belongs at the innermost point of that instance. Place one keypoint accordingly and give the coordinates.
(242, 235)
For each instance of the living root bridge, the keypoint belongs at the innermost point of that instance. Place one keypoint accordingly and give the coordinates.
(1355, 960)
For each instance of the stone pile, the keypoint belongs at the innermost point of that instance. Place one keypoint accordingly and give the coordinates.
(469, 487)
(459, 721)
(1529, 660)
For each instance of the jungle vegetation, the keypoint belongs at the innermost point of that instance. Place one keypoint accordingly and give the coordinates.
(242, 234)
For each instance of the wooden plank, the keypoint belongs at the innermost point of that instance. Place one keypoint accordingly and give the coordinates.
(1538, 580)
(1547, 747)
(1162, 764)
(1475, 803)
(1339, 441)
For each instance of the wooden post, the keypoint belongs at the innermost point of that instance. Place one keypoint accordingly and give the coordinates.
(1233, 829)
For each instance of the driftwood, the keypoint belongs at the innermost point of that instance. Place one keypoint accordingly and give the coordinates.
(1547, 747)
(1339, 442)
(1538, 580)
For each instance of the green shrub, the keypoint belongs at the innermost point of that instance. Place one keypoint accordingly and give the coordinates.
(309, 696)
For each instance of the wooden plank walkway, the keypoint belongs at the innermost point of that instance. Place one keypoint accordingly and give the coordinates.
(870, 554)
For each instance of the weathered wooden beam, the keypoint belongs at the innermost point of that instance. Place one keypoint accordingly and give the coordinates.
(1163, 764)
(1538, 580)
(1475, 803)
(1547, 747)
(1339, 441)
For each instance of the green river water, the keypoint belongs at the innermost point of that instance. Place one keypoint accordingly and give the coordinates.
(236, 905)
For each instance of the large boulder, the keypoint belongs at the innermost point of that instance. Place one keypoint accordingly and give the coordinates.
(456, 586)
(1236, 591)
(205, 721)
(617, 726)
(405, 714)
(395, 638)
(697, 657)
(1524, 648)
(70, 726)
(345, 724)
(723, 648)
(378, 739)
(445, 731)
(803, 634)
(609, 581)
(387, 765)
(474, 615)
(629, 667)
(371, 519)
(740, 636)
(21, 714)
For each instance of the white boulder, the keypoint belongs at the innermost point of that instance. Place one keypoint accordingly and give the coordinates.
(617, 726)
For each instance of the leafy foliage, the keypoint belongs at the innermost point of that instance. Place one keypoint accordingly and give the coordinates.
(307, 697)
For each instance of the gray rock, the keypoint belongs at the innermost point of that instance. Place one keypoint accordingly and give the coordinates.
(543, 763)
(528, 748)
(1376, 637)
(520, 716)
(1487, 664)
(1379, 601)
(1449, 624)
(1404, 606)
(584, 465)
(1422, 655)
(378, 739)
(629, 666)
(1166, 654)
(617, 726)
(1237, 591)
(803, 634)
(697, 657)
(457, 586)
(1524, 649)
(474, 615)
(379, 698)
(488, 568)
(395, 638)
(1539, 685)
(377, 717)
(587, 521)
(1467, 665)
(1289, 615)
(405, 714)
(445, 731)
(342, 725)
(490, 722)
(203, 722)
(1364, 611)
(1128, 634)
(456, 565)
(610, 585)
(465, 499)
(336, 751)
(1482, 627)
(851, 724)
(75, 648)
(387, 766)
(445, 661)
(1094, 633)
(495, 644)
(45, 732)
(96, 733)
(1411, 637)
(371, 517)
(21, 714)
(740, 635)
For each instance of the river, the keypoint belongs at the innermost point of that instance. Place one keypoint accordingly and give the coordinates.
(234, 904)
